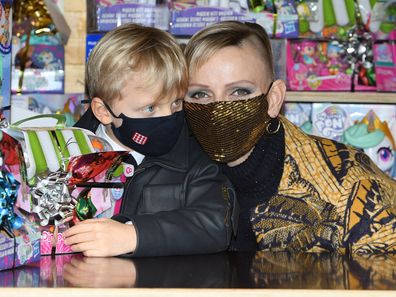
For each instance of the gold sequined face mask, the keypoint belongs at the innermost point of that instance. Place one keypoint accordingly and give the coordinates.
(227, 130)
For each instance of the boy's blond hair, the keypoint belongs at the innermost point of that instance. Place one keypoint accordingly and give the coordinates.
(203, 45)
(132, 49)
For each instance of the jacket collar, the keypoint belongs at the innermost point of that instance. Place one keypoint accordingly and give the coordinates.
(177, 157)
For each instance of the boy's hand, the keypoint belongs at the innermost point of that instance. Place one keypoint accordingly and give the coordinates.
(101, 238)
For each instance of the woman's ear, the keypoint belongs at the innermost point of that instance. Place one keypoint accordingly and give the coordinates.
(100, 111)
(276, 97)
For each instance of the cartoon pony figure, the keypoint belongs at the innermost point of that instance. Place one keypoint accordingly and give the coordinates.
(376, 140)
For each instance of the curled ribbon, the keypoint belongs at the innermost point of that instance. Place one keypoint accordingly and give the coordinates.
(52, 201)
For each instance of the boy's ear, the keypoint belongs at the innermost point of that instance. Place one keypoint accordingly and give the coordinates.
(276, 97)
(100, 111)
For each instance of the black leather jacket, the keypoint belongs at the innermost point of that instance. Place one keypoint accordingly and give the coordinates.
(180, 203)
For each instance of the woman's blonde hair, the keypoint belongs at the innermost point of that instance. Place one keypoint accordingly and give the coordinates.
(204, 44)
(132, 49)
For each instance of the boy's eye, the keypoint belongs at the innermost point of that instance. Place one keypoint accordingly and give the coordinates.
(241, 92)
(149, 108)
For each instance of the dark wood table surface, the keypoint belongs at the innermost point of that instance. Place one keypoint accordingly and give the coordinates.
(262, 270)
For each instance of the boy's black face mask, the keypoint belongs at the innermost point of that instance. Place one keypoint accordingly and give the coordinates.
(151, 137)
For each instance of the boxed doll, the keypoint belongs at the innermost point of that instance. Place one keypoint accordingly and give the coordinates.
(327, 66)
(317, 65)
(70, 175)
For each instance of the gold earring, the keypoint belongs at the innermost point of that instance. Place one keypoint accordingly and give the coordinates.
(273, 126)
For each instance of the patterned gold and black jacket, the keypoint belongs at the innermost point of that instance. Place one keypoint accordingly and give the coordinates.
(330, 197)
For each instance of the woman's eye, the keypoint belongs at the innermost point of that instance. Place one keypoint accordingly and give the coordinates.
(241, 92)
(198, 95)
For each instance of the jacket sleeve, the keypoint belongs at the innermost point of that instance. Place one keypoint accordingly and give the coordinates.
(202, 225)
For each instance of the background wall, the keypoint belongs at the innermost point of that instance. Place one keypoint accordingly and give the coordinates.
(75, 14)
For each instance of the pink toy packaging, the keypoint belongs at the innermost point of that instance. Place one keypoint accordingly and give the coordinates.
(316, 66)
(385, 66)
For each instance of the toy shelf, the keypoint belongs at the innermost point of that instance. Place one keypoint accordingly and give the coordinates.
(344, 97)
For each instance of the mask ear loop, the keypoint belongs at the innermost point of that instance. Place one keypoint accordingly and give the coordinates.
(109, 109)
(89, 101)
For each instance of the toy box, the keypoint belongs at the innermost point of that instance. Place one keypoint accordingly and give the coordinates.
(188, 18)
(385, 66)
(316, 66)
(371, 128)
(28, 105)
(44, 69)
(106, 15)
(70, 175)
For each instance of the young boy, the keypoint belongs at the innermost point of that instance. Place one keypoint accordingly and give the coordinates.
(175, 200)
